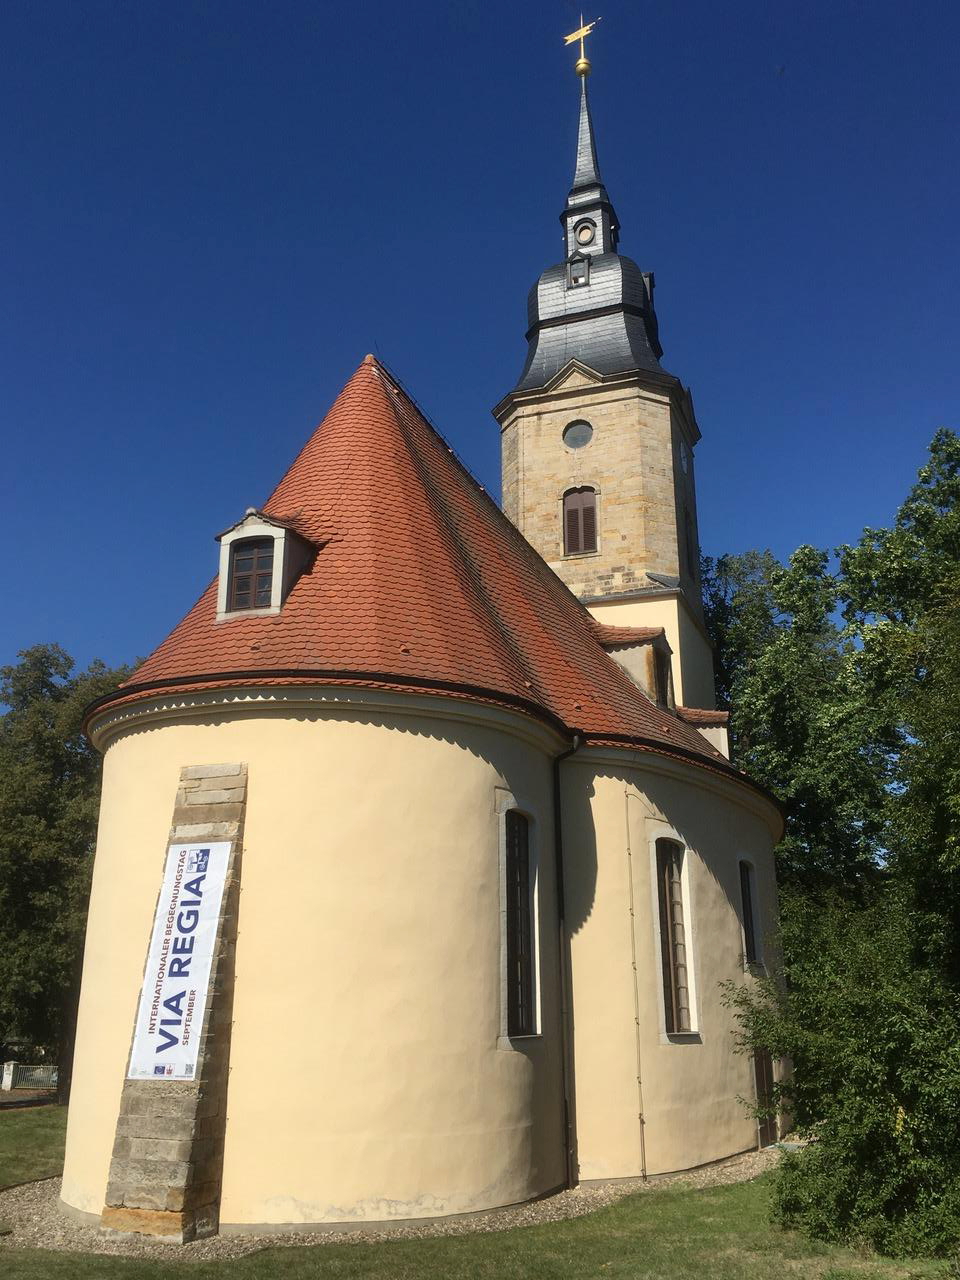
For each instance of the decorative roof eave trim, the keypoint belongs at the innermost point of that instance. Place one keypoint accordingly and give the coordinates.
(322, 675)
(719, 764)
(136, 693)
(730, 782)
(106, 724)
(667, 382)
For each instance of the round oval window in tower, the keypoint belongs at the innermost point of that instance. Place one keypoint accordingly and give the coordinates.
(577, 434)
(585, 231)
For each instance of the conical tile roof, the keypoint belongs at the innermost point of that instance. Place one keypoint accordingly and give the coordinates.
(419, 582)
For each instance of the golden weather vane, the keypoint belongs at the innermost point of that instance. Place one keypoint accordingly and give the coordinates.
(582, 67)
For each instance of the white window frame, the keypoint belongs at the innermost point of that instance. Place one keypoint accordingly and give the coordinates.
(252, 527)
(661, 831)
(505, 801)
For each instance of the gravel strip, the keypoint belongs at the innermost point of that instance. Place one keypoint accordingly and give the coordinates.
(36, 1221)
(12, 1098)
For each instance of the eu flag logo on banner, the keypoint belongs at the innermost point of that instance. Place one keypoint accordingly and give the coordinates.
(198, 861)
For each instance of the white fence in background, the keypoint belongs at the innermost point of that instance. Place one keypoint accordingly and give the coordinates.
(21, 1075)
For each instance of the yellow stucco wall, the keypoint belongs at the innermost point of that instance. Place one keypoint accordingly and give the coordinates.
(688, 1085)
(692, 661)
(369, 1077)
(366, 1081)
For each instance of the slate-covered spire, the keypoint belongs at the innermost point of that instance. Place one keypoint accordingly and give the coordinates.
(587, 173)
(596, 306)
(589, 219)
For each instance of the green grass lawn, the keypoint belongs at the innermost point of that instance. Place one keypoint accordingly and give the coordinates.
(719, 1234)
(31, 1144)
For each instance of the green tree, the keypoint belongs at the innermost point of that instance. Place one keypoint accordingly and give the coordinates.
(868, 1003)
(804, 722)
(49, 798)
(901, 592)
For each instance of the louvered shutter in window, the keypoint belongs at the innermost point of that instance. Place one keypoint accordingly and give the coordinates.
(589, 522)
(573, 526)
(579, 521)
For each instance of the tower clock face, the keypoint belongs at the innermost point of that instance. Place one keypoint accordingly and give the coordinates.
(585, 233)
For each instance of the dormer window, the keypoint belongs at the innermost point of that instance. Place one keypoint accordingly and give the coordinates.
(261, 558)
(578, 272)
(251, 574)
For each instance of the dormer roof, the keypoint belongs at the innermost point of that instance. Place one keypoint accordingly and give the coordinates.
(253, 516)
(612, 637)
(420, 583)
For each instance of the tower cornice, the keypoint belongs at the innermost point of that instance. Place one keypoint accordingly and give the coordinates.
(665, 384)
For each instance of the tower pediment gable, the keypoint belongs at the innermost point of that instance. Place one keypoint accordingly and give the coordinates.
(574, 376)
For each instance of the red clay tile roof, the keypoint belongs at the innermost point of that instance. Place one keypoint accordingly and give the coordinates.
(419, 582)
(696, 715)
(621, 637)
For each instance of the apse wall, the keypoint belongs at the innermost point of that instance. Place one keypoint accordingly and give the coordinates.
(686, 1087)
(369, 1075)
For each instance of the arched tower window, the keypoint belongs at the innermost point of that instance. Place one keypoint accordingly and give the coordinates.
(251, 574)
(579, 521)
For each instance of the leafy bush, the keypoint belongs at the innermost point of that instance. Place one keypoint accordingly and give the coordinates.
(873, 1031)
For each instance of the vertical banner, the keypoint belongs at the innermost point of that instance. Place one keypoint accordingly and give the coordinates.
(175, 981)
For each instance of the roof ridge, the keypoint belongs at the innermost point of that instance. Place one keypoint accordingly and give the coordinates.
(449, 526)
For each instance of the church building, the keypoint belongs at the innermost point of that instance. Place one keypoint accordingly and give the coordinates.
(421, 860)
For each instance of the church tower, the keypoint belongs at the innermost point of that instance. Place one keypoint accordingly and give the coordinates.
(597, 438)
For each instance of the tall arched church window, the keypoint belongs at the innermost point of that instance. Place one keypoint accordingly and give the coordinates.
(748, 899)
(673, 938)
(579, 521)
(521, 1010)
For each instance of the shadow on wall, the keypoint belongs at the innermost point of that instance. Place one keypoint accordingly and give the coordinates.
(579, 894)
(697, 820)
(608, 810)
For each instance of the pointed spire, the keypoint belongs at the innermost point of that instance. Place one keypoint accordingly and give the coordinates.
(587, 172)
(589, 218)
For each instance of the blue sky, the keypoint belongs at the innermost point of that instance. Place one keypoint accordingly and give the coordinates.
(213, 210)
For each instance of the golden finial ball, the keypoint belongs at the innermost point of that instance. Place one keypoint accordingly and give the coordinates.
(582, 67)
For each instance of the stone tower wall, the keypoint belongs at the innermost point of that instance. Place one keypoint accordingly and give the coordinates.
(634, 463)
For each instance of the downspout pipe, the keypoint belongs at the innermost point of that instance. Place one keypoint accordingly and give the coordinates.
(566, 1047)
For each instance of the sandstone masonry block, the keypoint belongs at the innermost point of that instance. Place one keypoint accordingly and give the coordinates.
(212, 770)
(206, 831)
(214, 814)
